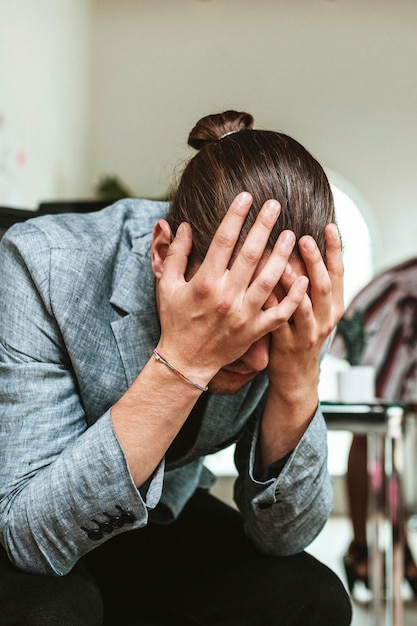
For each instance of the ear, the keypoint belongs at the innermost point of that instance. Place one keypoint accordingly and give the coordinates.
(161, 240)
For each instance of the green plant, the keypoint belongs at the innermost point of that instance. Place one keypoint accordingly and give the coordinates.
(112, 188)
(352, 331)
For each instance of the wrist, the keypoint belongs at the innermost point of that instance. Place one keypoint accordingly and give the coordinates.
(284, 411)
(293, 387)
(185, 366)
(161, 359)
(283, 424)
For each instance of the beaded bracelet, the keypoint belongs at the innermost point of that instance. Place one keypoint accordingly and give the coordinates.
(160, 358)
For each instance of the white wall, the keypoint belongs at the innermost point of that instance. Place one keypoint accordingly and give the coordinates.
(338, 75)
(44, 99)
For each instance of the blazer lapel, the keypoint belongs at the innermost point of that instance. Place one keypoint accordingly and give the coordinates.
(137, 330)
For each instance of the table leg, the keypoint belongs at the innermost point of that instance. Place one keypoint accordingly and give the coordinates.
(376, 522)
(395, 539)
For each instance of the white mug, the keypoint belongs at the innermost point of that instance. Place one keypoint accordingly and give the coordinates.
(357, 384)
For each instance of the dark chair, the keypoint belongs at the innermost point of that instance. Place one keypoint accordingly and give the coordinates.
(10, 216)
(72, 206)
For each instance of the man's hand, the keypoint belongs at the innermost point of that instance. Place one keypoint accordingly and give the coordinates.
(296, 345)
(299, 342)
(213, 318)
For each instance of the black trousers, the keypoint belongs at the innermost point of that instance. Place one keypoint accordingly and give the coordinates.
(199, 570)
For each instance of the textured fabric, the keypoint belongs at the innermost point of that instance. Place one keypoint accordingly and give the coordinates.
(78, 322)
(388, 306)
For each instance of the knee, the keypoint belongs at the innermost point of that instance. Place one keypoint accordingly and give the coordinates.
(28, 600)
(336, 607)
(329, 602)
(313, 595)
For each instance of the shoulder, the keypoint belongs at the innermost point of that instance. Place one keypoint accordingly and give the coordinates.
(89, 250)
(124, 221)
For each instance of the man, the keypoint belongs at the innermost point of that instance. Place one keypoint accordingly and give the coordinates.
(133, 343)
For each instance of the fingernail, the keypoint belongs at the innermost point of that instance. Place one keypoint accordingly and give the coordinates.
(303, 282)
(272, 207)
(309, 243)
(333, 229)
(180, 230)
(244, 197)
(287, 236)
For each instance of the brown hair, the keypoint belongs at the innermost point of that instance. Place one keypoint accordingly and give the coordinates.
(232, 157)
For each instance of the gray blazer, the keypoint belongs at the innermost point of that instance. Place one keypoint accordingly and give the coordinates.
(77, 324)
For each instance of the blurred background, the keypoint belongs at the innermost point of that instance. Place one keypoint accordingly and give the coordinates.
(93, 88)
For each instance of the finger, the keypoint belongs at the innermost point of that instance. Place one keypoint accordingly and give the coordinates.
(227, 234)
(271, 301)
(335, 268)
(320, 283)
(253, 248)
(303, 321)
(289, 275)
(325, 303)
(303, 318)
(268, 277)
(277, 315)
(176, 261)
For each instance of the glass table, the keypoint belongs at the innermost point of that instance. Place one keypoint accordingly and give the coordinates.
(384, 425)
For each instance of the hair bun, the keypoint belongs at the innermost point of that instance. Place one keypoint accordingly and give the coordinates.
(212, 128)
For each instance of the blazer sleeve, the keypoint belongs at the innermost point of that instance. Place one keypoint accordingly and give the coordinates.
(284, 514)
(64, 488)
